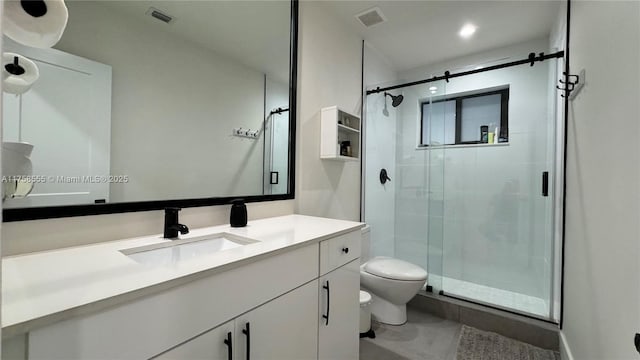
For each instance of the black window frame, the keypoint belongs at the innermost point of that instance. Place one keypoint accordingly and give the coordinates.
(504, 116)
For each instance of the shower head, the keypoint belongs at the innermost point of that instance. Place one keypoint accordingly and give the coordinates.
(395, 99)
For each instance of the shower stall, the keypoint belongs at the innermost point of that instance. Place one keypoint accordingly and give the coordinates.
(275, 137)
(470, 187)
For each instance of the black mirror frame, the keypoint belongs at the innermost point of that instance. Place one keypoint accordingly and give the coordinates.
(51, 212)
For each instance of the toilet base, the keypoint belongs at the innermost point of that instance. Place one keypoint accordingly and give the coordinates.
(386, 312)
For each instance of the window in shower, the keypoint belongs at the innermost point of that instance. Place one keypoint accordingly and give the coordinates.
(460, 120)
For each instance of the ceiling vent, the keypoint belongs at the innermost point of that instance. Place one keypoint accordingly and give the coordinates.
(160, 15)
(371, 17)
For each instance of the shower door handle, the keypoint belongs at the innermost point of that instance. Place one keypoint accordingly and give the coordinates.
(545, 183)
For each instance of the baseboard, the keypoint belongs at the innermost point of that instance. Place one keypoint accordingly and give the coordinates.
(565, 350)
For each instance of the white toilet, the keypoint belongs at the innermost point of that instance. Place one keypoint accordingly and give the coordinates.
(391, 283)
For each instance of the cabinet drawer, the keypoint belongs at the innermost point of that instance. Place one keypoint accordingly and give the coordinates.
(339, 250)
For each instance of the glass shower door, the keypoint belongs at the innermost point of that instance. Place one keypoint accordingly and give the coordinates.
(486, 191)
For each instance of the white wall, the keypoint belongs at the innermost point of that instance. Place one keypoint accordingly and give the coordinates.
(329, 73)
(174, 106)
(379, 153)
(487, 221)
(602, 255)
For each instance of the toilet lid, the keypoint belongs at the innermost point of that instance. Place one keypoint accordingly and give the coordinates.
(394, 269)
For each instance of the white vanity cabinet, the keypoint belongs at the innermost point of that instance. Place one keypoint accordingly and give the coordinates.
(274, 330)
(151, 325)
(338, 335)
(339, 286)
(280, 329)
(297, 302)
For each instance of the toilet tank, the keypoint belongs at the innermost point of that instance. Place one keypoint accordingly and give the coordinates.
(366, 244)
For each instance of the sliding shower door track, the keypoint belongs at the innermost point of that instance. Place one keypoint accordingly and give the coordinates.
(498, 308)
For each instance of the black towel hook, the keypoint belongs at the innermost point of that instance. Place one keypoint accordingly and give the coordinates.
(570, 83)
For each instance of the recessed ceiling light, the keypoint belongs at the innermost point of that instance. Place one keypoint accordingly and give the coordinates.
(433, 91)
(433, 88)
(467, 30)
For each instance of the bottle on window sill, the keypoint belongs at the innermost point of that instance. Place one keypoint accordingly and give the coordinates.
(484, 134)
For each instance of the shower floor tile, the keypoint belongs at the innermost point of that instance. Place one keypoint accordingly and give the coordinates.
(501, 298)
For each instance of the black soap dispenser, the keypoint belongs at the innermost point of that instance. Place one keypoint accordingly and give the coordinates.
(238, 213)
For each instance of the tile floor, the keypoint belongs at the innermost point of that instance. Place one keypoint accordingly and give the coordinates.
(424, 337)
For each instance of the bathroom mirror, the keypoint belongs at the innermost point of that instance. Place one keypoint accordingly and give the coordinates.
(148, 104)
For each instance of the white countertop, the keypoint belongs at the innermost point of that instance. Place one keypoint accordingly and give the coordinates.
(45, 287)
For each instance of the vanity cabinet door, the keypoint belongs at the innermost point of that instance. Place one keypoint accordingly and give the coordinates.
(339, 311)
(215, 344)
(282, 329)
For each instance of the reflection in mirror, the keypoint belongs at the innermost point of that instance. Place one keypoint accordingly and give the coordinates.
(156, 100)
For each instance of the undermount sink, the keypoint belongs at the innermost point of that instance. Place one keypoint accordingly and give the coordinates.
(176, 251)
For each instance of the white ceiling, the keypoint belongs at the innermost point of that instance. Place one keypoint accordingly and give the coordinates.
(255, 33)
(417, 33)
(425, 32)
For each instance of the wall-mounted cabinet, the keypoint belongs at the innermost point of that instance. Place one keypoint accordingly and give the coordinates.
(340, 135)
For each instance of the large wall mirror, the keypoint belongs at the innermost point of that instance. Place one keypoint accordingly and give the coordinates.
(147, 104)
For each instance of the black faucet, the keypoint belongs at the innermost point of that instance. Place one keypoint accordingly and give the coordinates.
(171, 225)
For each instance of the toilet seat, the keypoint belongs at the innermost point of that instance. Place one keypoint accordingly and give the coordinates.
(394, 269)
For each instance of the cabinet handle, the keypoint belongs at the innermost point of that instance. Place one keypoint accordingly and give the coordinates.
(545, 183)
(328, 303)
(247, 332)
(345, 250)
(227, 342)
